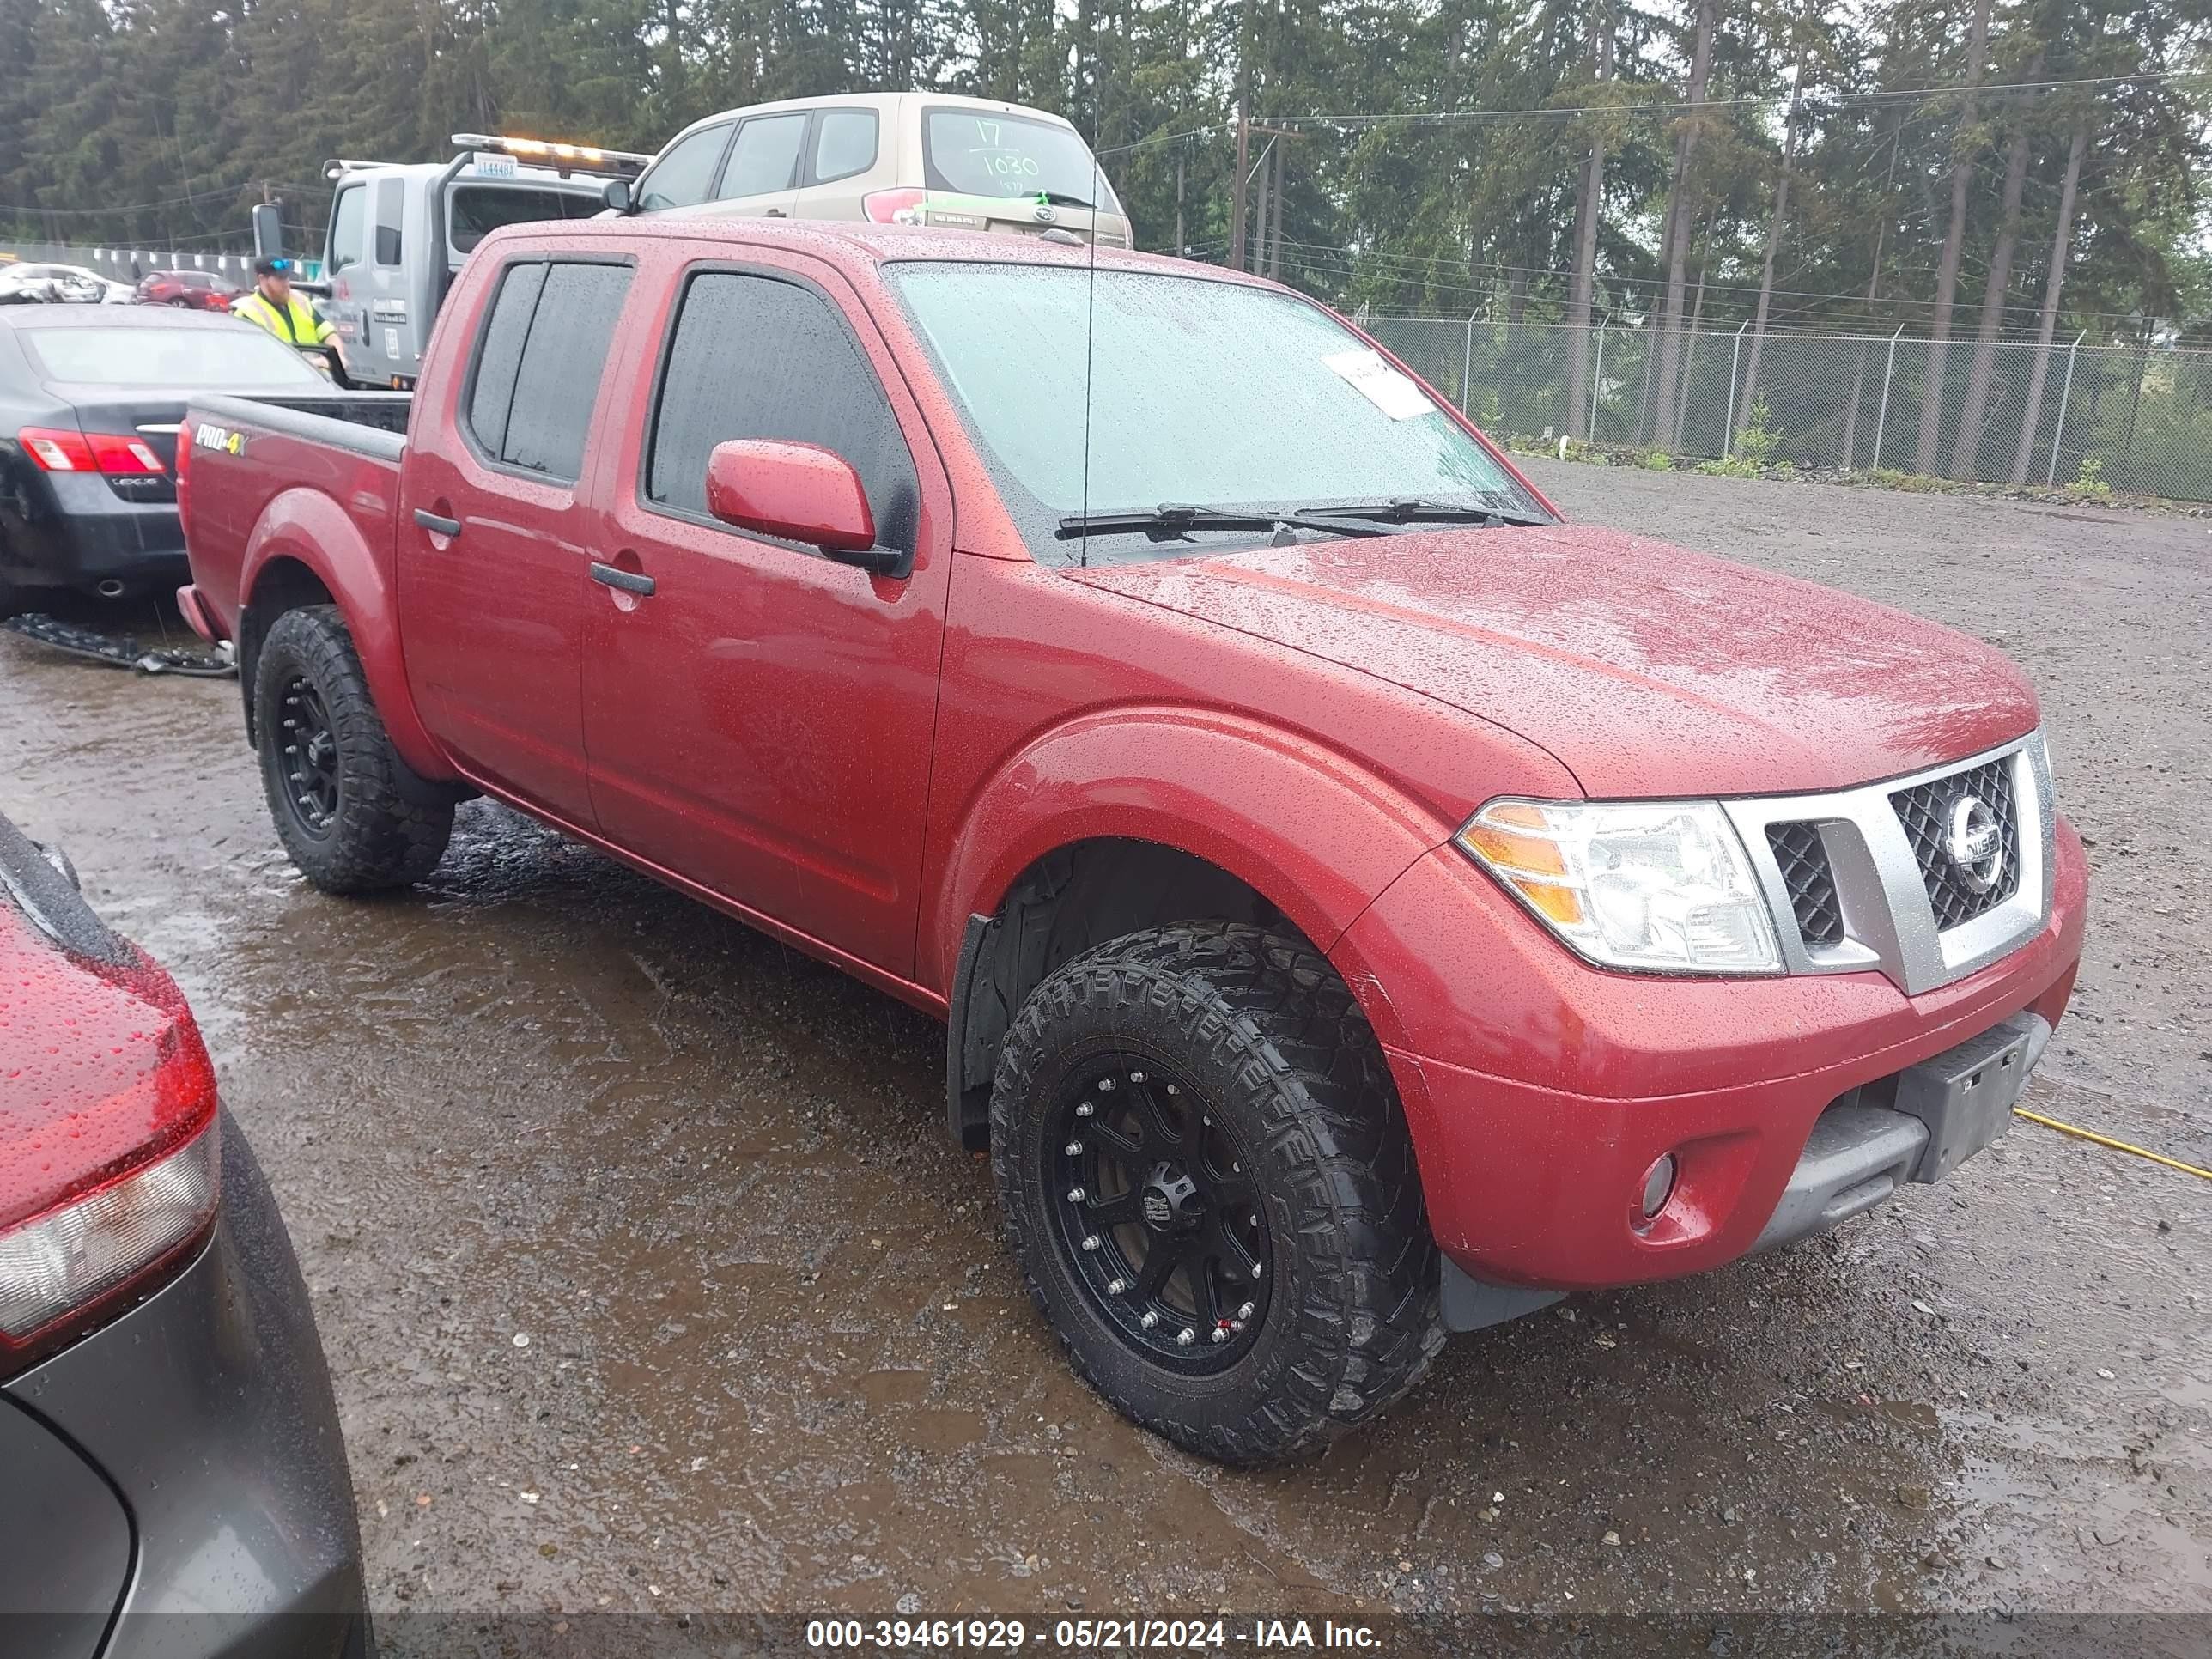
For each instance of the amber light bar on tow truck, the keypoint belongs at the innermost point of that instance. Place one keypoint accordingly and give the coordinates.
(561, 158)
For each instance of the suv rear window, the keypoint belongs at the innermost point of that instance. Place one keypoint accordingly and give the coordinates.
(758, 357)
(539, 364)
(976, 153)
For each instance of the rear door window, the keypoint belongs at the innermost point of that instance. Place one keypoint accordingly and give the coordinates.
(684, 176)
(499, 354)
(543, 349)
(391, 197)
(764, 157)
(756, 356)
(349, 229)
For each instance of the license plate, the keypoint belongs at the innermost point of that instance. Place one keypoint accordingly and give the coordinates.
(1966, 1095)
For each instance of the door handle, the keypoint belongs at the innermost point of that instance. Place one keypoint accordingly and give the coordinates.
(775, 213)
(432, 521)
(629, 582)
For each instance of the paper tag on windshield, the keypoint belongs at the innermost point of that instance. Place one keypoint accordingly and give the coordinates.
(1380, 385)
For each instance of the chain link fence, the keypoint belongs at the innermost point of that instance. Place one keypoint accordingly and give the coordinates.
(2139, 420)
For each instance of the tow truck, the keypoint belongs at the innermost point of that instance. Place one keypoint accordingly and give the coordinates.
(399, 231)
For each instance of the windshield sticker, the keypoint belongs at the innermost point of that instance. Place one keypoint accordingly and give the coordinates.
(1380, 385)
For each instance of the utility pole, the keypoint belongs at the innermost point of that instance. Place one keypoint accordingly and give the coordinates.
(1267, 259)
(1180, 247)
(1237, 202)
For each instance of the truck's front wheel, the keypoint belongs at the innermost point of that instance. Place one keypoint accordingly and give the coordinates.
(335, 783)
(1212, 1192)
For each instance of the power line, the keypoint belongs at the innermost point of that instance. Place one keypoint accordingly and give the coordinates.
(1409, 269)
(1848, 100)
(1682, 106)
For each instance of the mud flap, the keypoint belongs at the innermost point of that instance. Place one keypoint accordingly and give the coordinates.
(120, 651)
(968, 1097)
(1469, 1304)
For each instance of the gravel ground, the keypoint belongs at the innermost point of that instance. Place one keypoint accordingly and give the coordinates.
(649, 1279)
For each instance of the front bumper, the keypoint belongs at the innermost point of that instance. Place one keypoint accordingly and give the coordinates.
(1540, 1090)
(207, 1410)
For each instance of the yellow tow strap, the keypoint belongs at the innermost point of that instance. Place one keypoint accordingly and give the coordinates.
(2117, 1145)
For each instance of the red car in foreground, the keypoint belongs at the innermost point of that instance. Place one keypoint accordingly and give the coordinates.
(173, 1482)
(1362, 904)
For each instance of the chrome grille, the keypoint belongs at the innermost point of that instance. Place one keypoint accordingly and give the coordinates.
(1859, 879)
(1924, 812)
(1812, 884)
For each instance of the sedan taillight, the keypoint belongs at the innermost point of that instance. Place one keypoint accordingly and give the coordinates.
(105, 1181)
(61, 1266)
(55, 449)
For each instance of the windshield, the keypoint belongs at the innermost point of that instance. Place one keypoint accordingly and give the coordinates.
(980, 153)
(1204, 393)
(188, 359)
(479, 210)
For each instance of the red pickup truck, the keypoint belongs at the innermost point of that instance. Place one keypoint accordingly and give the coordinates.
(1362, 904)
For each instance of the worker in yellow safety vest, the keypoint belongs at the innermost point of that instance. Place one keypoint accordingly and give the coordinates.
(274, 306)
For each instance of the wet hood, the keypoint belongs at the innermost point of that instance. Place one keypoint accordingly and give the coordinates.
(1645, 668)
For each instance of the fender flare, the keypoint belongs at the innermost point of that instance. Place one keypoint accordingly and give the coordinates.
(304, 525)
(1308, 827)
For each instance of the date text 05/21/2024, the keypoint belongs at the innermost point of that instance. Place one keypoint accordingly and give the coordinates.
(1086, 1635)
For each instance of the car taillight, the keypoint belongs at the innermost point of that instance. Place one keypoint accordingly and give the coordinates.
(139, 1178)
(116, 453)
(886, 207)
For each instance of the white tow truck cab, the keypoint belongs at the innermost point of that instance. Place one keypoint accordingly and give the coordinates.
(398, 231)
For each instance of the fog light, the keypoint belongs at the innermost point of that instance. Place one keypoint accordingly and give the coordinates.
(1658, 1185)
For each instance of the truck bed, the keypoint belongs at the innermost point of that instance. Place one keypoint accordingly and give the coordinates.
(334, 460)
(338, 417)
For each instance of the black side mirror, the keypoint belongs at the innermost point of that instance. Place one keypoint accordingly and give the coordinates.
(617, 195)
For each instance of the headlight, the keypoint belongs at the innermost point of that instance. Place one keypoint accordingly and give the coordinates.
(1660, 886)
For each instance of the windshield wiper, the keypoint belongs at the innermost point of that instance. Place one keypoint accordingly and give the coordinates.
(1170, 522)
(1061, 198)
(1413, 509)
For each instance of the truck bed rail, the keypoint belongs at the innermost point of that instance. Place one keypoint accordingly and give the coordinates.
(370, 422)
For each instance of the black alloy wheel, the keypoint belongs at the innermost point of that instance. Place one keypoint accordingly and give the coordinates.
(1211, 1190)
(310, 746)
(349, 812)
(1159, 1221)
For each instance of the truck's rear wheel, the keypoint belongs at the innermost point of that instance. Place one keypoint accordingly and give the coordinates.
(334, 781)
(1212, 1192)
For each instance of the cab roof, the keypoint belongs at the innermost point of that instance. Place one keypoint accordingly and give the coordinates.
(854, 245)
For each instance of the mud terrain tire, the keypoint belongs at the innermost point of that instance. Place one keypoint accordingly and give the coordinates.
(1272, 1053)
(362, 834)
